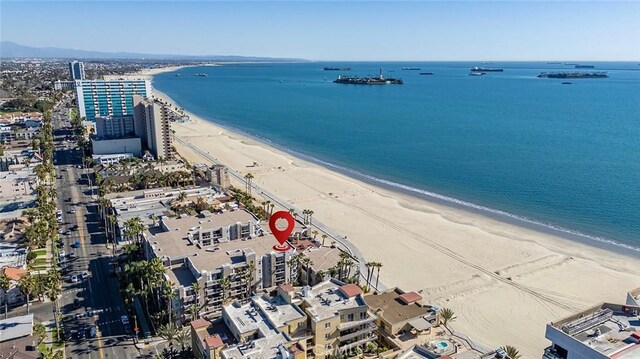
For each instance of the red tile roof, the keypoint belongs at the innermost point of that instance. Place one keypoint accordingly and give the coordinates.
(351, 290)
(287, 287)
(14, 273)
(200, 323)
(213, 341)
(410, 297)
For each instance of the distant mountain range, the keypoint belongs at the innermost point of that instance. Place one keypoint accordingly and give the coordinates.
(9, 49)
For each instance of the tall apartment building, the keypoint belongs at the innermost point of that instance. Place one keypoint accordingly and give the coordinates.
(226, 254)
(152, 126)
(340, 318)
(109, 97)
(115, 126)
(218, 175)
(76, 69)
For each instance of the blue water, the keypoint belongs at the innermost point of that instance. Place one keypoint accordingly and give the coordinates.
(566, 156)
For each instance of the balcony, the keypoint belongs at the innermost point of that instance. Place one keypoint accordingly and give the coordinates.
(355, 323)
(551, 353)
(362, 341)
(357, 333)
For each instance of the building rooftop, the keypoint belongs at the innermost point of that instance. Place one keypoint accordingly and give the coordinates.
(607, 328)
(417, 352)
(16, 327)
(394, 309)
(213, 341)
(323, 258)
(326, 299)
(213, 221)
(174, 244)
(278, 311)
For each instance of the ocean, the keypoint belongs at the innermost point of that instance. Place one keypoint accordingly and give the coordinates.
(550, 155)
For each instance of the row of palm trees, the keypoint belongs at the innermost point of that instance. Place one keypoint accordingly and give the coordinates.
(371, 267)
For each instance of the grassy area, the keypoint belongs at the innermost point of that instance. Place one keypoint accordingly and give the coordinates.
(40, 252)
(39, 261)
(57, 344)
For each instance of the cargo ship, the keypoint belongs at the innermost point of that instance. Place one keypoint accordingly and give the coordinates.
(380, 80)
(584, 66)
(426, 73)
(573, 75)
(411, 68)
(337, 69)
(486, 69)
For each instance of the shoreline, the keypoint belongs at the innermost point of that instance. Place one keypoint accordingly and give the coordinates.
(528, 250)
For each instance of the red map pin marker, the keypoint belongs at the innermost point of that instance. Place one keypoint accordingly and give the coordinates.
(282, 235)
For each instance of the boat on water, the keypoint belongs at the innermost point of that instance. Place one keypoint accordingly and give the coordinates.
(380, 80)
(476, 73)
(486, 69)
(201, 75)
(426, 73)
(584, 66)
(554, 63)
(573, 75)
(337, 69)
(567, 83)
(411, 68)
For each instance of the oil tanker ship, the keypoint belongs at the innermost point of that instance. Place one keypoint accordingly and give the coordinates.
(573, 75)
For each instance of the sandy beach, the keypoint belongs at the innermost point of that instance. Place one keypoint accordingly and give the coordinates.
(503, 281)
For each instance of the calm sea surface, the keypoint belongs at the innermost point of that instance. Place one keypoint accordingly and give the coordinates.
(565, 156)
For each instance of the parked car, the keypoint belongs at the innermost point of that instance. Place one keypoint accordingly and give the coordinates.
(74, 279)
(85, 275)
(76, 303)
(72, 255)
(93, 331)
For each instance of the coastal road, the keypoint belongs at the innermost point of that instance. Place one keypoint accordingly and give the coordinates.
(100, 304)
(352, 249)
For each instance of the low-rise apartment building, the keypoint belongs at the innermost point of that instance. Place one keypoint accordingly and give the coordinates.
(398, 313)
(227, 254)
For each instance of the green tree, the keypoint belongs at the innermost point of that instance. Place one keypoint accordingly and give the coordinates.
(39, 331)
(169, 332)
(446, 316)
(5, 284)
(26, 285)
(512, 352)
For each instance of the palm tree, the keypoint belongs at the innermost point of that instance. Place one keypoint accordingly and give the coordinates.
(512, 352)
(183, 338)
(153, 219)
(248, 178)
(181, 196)
(168, 332)
(5, 284)
(54, 282)
(224, 284)
(315, 234)
(446, 315)
(168, 293)
(324, 237)
(195, 286)
(378, 266)
(293, 264)
(26, 284)
(369, 265)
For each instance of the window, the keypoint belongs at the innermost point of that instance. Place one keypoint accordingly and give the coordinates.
(327, 325)
(327, 336)
(301, 325)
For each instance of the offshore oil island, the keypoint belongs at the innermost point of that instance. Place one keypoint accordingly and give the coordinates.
(380, 80)
(573, 75)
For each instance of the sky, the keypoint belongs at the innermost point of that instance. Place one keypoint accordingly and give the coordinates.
(343, 30)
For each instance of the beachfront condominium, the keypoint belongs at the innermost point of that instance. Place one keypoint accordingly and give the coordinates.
(76, 70)
(340, 319)
(226, 253)
(109, 98)
(152, 126)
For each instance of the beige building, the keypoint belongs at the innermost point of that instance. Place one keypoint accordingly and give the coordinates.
(17, 182)
(339, 318)
(218, 175)
(227, 254)
(152, 126)
(206, 341)
(399, 313)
